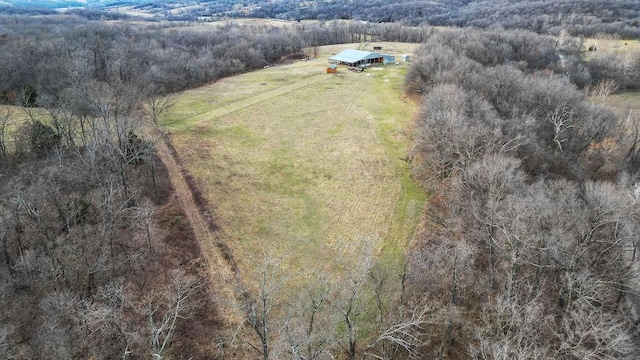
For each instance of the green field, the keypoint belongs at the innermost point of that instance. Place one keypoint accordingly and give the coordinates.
(302, 163)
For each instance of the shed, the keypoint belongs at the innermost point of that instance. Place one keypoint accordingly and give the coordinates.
(332, 69)
(406, 57)
(388, 58)
(352, 57)
(377, 48)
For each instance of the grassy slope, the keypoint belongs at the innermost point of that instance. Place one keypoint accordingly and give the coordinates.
(301, 162)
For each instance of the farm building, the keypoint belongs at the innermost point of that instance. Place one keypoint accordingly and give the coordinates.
(357, 57)
(332, 69)
(406, 57)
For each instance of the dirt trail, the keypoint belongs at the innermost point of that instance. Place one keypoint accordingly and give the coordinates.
(224, 274)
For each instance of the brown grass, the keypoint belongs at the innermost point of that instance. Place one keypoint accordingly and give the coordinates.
(301, 166)
(605, 45)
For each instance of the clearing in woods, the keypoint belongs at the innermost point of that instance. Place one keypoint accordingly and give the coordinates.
(617, 46)
(302, 164)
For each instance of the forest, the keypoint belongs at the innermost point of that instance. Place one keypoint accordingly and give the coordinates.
(527, 247)
(530, 246)
(578, 17)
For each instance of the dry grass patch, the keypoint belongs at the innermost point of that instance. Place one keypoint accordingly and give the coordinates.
(230, 91)
(625, 102)
(603, 45)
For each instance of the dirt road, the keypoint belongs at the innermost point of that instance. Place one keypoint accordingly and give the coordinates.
(224, 274)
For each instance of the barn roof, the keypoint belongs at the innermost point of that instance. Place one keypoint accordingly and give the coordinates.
(352, 56)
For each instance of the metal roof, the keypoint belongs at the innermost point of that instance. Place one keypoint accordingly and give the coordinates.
(352, 56)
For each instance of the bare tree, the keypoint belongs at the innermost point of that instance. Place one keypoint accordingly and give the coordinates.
(6, 120)
(158, 104)
(631, 136)
(257, 307)
(587, 331)
(57, 332)
(349, 302)
(599, 92)
(512, 328)
(406, 336)
(309, 328)
(146, 224)
(166, 308)
(562, 120)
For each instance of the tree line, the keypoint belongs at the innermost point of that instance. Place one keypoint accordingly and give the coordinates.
(529, 242)
(578, 17)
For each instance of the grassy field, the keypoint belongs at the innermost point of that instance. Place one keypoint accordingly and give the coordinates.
(625, 102)
(303, 163)
(622, 47)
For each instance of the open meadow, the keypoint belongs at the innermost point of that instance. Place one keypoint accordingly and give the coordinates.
(607, 45)
(302, 164)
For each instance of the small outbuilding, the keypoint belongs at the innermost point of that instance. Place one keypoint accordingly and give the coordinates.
(406, 57)
(377, 48)
(332, 69)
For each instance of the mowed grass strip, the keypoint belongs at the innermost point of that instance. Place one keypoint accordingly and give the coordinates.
(229, 91)
(241, 104)
(310, 170)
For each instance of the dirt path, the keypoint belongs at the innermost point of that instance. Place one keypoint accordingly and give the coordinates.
(224, 274)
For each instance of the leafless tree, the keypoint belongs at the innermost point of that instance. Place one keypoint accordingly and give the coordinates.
(57, 333)
(158, 104)
(257, 307)
(165, 308)
(587, 331)
(406, 336)
(144, 214)
(309, 327)
(600, 92)
(513, 328)
(6, 120)
(348, 302)
(562, 120)
(631, 137)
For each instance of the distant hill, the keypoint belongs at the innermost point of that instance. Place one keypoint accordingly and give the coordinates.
(579, 17)
(61, 4)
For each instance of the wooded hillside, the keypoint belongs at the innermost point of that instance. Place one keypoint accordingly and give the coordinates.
(530, 239)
